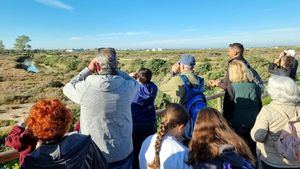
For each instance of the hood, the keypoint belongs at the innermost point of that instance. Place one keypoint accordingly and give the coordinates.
(228, 154)
(145, 91)
(70, 152)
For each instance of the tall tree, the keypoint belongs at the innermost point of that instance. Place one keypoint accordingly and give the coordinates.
(1, 45)
(21, 43)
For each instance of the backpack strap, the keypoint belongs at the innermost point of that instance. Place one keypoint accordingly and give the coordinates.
(292, 127)
(187, 85)
(200, 83)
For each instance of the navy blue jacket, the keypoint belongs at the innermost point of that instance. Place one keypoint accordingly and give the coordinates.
(228, 159)
(74, 151)
(142, 106)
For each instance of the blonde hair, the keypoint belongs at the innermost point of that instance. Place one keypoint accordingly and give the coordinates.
(238, 72)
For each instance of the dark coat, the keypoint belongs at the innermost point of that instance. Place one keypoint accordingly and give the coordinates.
(142, 106)
(74, 151)
(228, 159)
(241, 106)
(290, 71)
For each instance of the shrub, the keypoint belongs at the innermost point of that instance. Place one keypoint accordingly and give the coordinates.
(55, 84)
(158, 66)
(203, 68)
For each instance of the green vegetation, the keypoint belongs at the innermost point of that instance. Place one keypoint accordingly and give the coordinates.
(22, 43)
(57, 68)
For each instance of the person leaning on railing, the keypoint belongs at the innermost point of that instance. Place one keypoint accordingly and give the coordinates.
(43, 143)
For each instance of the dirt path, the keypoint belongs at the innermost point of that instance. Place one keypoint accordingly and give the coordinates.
(14, 112)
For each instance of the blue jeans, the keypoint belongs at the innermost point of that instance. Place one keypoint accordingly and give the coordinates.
(122, 164)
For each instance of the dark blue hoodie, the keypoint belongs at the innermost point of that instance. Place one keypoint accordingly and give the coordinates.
(142, 106)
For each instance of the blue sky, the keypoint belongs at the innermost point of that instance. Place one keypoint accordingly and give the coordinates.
(53, 24)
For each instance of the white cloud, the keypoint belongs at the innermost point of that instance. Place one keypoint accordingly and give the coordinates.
(56, 4)
(265, 37)
(250, 38)
(107, 36)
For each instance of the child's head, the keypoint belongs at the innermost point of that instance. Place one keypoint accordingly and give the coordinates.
(144, 75)
(210, 132)
(174, 118)
(49, 119)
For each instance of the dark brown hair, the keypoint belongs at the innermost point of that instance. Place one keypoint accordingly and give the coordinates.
(238, 47)
(144, 75)
(174, 115)
(288, 61)
(210, 132)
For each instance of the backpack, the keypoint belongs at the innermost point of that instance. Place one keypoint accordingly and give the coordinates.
(246, 165)
(196, 101)
(288, 144)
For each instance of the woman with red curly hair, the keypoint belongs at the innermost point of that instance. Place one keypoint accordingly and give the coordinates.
(45, 144)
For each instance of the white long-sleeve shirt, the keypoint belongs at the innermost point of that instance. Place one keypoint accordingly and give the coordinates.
(173, 154)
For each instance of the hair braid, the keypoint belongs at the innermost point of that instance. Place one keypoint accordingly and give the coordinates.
(160, 134)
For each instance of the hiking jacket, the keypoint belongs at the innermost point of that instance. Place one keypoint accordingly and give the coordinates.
(267, 129)
(105, 110)
(74, 151)
(174, 88)
(241, 105)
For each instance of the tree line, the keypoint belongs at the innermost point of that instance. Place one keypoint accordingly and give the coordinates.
(21, 43)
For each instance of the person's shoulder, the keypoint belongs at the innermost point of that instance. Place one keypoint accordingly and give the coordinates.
(173, 145)
(149, 139)
(76, 137)
(175, 80)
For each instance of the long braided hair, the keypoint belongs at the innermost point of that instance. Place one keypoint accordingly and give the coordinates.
(172, 116)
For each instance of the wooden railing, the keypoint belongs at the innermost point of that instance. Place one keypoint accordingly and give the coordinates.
(12, 154)
(9, 155)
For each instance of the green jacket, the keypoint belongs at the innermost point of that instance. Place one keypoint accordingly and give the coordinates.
(241, 105)
(173, 90)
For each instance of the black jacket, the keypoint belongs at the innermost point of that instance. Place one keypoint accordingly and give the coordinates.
(74, 151)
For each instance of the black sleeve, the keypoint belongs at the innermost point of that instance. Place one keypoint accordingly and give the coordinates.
(276, 70)
(294, 67)
(228, 104)
(98, 160)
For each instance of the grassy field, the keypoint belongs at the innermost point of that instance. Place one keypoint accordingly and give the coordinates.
(20, 89)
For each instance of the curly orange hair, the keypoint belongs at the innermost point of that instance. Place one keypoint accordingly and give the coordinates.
(49, 120)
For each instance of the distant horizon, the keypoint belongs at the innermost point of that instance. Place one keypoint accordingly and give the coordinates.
(141, 24)
(205, 48)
